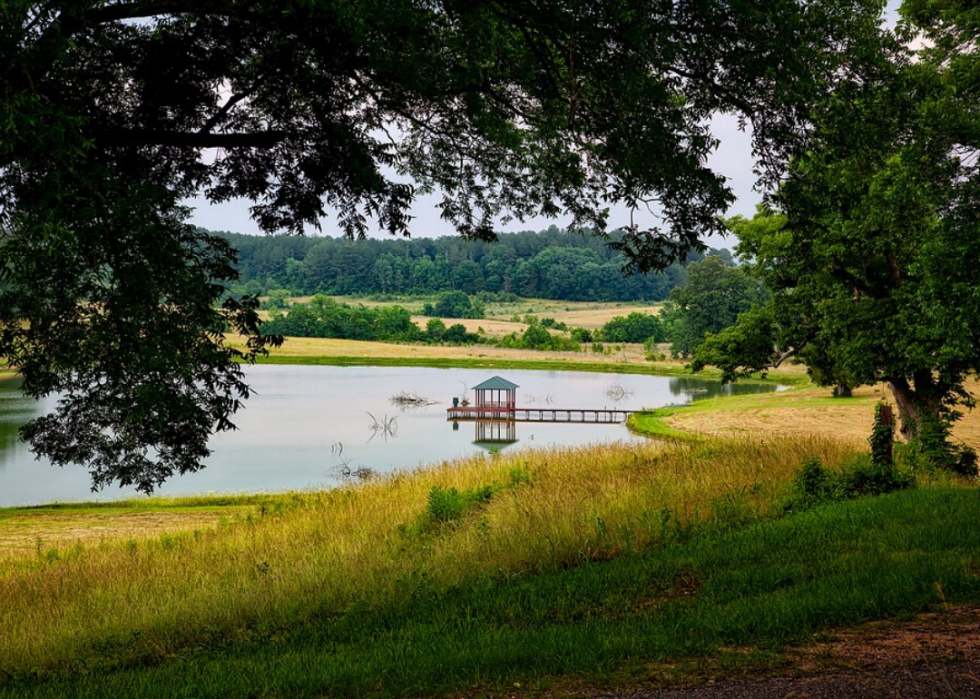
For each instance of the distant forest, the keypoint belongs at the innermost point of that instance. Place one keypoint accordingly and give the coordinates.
(551, 264)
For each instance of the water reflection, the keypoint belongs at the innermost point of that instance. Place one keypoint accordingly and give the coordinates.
(493, 435)
(311, 427)
(699, 389)
(16, 409)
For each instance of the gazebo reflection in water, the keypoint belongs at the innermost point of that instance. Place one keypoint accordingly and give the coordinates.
(494, 434)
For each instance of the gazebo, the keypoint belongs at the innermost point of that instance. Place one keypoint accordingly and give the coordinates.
(496, 398)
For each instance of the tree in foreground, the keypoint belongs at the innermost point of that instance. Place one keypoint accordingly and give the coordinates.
(873, 260)
(114, 112)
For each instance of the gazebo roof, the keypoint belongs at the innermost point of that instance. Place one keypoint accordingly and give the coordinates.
(496, 384)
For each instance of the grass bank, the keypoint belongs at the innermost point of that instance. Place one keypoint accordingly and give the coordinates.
(800, 411)
(277, 563)
(560, 364)
(734, 588)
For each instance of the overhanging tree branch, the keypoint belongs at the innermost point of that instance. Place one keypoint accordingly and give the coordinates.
(186, 139)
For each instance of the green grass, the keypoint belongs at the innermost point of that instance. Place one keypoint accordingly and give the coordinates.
(651, 424)
(719, 584)
(152, 504)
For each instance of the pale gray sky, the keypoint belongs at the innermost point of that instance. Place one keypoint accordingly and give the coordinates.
(733, 159)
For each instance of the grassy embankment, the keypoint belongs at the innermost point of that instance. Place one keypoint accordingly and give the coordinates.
(605, 565)
(601, 565)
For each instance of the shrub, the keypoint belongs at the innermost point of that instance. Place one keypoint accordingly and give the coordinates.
(536, 337)
(448, 504)
(931, 446)
(454, 304)
(882, 437)
(865, 477)
(814, 484)
(554, 324)
(636, 327)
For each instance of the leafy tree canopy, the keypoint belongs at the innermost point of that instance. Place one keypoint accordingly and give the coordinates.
(115, 111)
(635, 327)
(710, 301)
(873, 263)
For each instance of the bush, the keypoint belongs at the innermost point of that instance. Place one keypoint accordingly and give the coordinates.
(932, 447)
(865, 477)
(536, 337)
(448, 504)
(454, 304)
(498, 297)
(435, 330)
(553, 324)
(815, 484)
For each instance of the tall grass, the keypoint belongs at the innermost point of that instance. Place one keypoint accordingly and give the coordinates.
(735, 594)
(321, 554)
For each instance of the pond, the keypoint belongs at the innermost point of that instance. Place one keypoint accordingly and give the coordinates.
(317, 426)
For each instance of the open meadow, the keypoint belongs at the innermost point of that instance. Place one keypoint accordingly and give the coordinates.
(628, 357)
(505, 318)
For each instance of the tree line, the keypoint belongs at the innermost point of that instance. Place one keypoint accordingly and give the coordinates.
(548, 264)
(713, 298)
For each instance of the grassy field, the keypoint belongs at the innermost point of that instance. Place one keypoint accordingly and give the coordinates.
(604, 565)
(805, 410)
(553, 571)
(623, 358)
(500, 317)
(328, 350)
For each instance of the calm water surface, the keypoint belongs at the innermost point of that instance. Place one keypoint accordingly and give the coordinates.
(306, 427)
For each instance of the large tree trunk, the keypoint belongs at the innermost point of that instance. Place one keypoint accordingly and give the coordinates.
(916, 403)
(908, 411)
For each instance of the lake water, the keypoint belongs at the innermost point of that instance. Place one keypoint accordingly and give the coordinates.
(313, 426)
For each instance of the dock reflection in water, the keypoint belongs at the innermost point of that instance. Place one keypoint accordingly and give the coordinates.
(308, 426)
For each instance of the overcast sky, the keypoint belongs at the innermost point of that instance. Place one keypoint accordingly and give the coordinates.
(733, 159)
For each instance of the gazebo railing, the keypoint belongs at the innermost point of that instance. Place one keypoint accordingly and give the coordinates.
(503, 405)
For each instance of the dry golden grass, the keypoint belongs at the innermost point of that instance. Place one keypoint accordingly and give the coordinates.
(596, 315)
(798, 412)
(805, 412)
(581, 314)
(492, 328)
(323, 551)
(323, 347)
(26, 531)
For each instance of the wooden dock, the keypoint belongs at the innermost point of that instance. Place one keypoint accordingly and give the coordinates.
(590, 415)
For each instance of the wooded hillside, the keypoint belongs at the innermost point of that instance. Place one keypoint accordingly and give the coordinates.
(549, 264)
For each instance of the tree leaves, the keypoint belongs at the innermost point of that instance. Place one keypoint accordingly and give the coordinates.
(508, 109)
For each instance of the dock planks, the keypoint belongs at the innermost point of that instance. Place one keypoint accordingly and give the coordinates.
(589, 415)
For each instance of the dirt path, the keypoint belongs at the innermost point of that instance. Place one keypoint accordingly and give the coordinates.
(933, 655)
(955, 681)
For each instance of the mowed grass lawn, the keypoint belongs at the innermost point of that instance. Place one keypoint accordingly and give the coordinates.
(587, 567)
